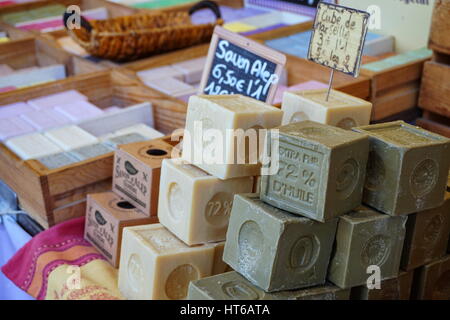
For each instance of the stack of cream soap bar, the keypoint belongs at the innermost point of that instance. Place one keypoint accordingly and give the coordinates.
(194, 205)
(12, 79)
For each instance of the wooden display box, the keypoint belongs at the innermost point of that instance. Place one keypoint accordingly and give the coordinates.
(53, 196)
(435, 90)
(435, 123)
(395, 89)
(13, 33)
(32, 52)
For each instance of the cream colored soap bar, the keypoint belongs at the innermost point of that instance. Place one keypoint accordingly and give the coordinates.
(32, 146)
(156, 265)
(220, 151)
(70, 137)
(341, 110)
(194, 205)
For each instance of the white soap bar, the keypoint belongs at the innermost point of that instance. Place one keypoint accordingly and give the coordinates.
(194, 205)
(341, 110)
(56, 99)
(156, 265)
(141, 129)
(70, 137)
(32, 146)
(225, 114)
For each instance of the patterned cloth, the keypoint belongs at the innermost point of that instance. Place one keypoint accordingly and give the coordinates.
(58, 264)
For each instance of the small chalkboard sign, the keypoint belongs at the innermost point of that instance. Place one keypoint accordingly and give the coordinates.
(238, 65)
(338, 37)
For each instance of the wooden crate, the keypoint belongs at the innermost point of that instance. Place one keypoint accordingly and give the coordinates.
(435, 123)
(52, 196)
(31, 52)
(394, 89)
(435, 89)
(13, 33)
(440, 25)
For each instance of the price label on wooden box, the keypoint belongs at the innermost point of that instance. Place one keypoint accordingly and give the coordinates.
(338, 37)
(238, 65)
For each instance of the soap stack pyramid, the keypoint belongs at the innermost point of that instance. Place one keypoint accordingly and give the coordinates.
(307, 234)
(195, 200)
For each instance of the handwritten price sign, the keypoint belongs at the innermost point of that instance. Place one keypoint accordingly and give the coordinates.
(338, 37)
(237, 65)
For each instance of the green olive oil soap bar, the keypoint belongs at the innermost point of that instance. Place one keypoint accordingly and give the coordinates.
(274, 249)
(233, 286)
(407, 170)
(398, 288)
(156, 265)
(321, 170)
(194, 205)
(427, 235)
(366, 238)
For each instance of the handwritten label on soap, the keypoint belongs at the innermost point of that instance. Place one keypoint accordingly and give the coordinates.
(338, 37)
(237, 65)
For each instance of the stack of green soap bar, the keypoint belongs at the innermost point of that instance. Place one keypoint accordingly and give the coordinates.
(47, 11)
(233, 286)
(407, 168)
(274, 249)
(157, 4)
(366, 238)
(321, 170)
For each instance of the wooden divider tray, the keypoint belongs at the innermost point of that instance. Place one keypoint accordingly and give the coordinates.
(52, 196)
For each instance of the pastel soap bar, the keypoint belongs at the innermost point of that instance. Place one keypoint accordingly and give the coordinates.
(225, 114)
(57, 160)
(15, 109)
(156, 265)
(427, 235)
(194, 205)
(53, 100)
(70, 137)
(341, 110)
(79, 110)
(45, 119)
(398, 288)
(32, 146)
(13, 127)
(191, 69)
(321, 170)
(233, 286)
(5, 70)
(171, 86)
(366, 238)
(407, 169)
(274, 249)
(106, 216)
(141, 129)
(137, 169)
(160, 73)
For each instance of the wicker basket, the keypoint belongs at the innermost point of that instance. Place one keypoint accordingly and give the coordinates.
(132, 37)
